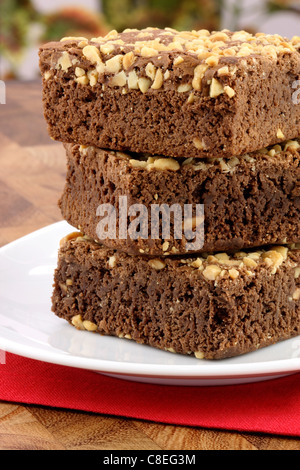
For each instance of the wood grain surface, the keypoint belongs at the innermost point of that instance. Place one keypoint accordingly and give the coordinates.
(31, 180)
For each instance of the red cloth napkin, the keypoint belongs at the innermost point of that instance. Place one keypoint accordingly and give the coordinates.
(268, 407)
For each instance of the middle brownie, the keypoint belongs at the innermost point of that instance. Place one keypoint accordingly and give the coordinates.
(249, 201)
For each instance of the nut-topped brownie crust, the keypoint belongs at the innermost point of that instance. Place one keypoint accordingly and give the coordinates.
(212, 307)
(177, 94)
(249, 201)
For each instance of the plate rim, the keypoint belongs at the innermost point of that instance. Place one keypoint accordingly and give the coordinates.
(234, 371)
(162, 370)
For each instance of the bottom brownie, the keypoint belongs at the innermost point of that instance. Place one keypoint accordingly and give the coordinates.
(213, 307)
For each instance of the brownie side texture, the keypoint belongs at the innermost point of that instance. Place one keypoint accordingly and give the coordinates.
(249, 201)
(213, 307)
(175, 94)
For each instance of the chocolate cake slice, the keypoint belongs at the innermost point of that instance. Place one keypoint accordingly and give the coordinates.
(249, 201)
(179, 94)
(212, 307)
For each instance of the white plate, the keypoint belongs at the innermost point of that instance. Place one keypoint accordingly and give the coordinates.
(29, 328)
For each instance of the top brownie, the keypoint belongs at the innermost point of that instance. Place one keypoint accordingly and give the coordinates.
(180, 94)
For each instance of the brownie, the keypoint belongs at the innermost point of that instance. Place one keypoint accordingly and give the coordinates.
(249, 201)
(178, 94)
(213, 307)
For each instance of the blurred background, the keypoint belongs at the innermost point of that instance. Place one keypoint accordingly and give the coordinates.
(25, 24)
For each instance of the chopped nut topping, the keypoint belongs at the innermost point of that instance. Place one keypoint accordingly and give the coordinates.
(249, 262)
(112, 35)
(200, 166)
(47, 75)
(158, 81)
(223, 71)
(93, 77)
(216, 88)
(83, 325)
(82, 80)
(77, 322)
(138, 163)
(171, 350)
(211, 49)
(165, 246)
(191, 98)
(70, 236)
(148, 52)
(128, 60)
(184, 88)
(199, 355)
(212, 259)
(107, 49)
(63, 287)
(83, 149)
(114, 65)
(199, 144)
(211, 272)
(291, 144)
(273, 259)
(233, 273)
(199, 73)
(79, 72)
(166, 164)
(156, 264)
(229, 91)
(280, 134)
(283, 250)
(178, 60)
(119, 79)
(83, 43)
(212, 60)
(64, 62)
(133, 80)
(297, 273)
(112, 262)
(227, 166)
(92, 53)
(150, 71)
(89, 326)
(224, 167)
(144, 84)
(296, 295)
(222, 256)
(197, 263)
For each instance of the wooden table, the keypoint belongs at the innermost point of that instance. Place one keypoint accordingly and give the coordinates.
(31, 180)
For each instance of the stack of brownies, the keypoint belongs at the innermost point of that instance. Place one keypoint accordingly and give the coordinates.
(171, 118)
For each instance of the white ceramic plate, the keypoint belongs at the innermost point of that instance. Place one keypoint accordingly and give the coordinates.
(29, 328)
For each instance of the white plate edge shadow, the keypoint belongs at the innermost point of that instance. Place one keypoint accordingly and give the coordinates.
(153, 373)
